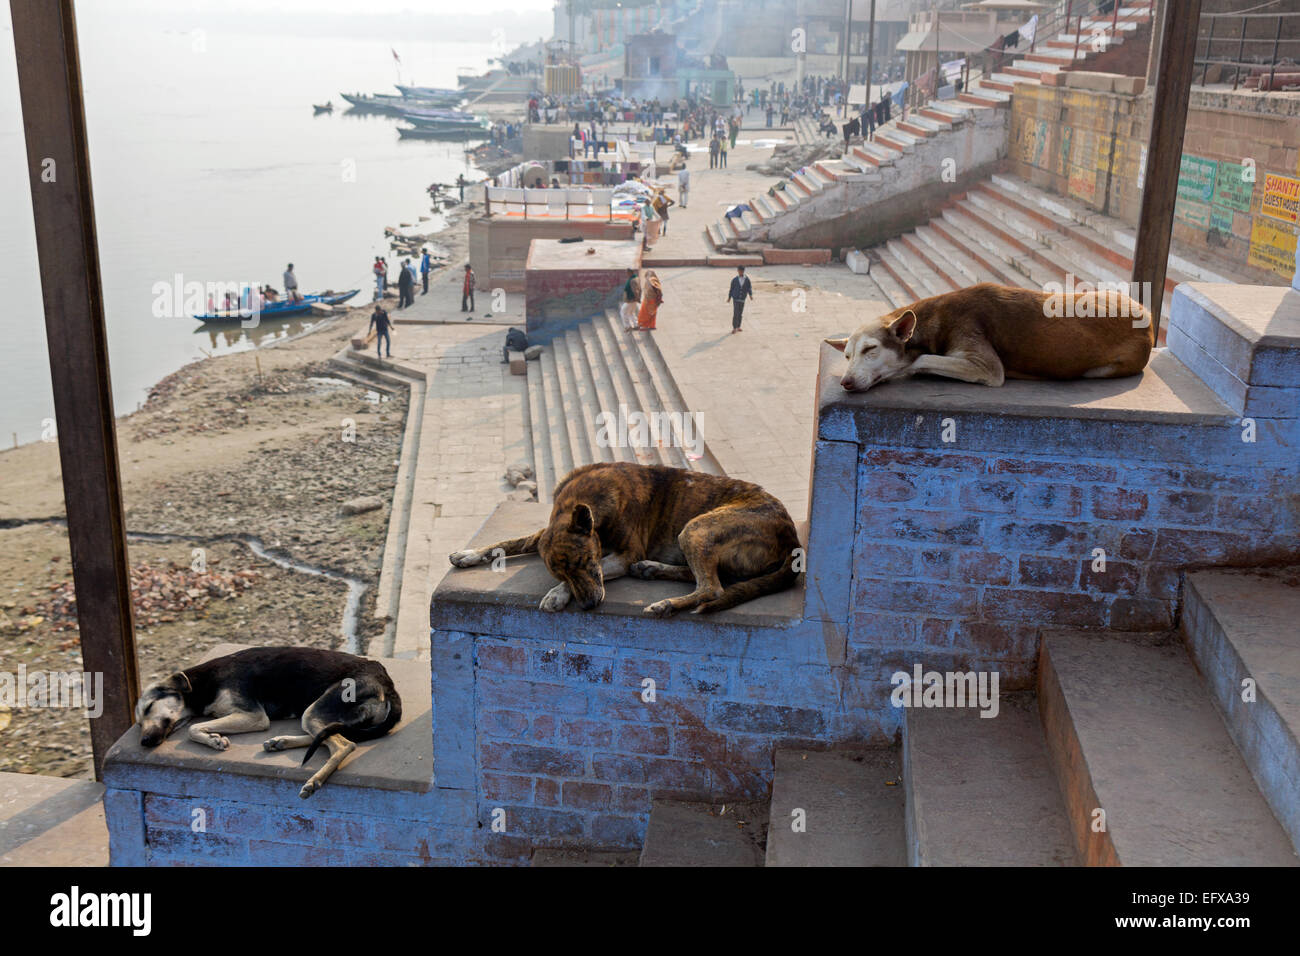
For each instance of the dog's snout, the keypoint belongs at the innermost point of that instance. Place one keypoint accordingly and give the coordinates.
(153, 740)
(848, 384)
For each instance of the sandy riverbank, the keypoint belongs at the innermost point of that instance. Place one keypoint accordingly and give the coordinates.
(219, 452)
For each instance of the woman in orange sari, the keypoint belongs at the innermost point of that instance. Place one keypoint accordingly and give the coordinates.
(651, 299)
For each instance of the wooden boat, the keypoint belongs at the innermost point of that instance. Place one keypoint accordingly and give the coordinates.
(455, 132)
(327, 108)
(281, 308)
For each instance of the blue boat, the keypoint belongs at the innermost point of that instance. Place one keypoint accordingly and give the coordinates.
(280, 309)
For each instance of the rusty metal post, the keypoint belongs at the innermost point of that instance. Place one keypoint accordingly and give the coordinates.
(1165, 149)
(49, 79)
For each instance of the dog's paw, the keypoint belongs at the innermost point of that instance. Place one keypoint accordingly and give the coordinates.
(274, 744)
(469, 558)
(215, 741)
(308, 788)
(556, 599)
(662, 608)
(642, 569)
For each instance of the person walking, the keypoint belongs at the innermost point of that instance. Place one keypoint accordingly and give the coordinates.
(650, 302)
(426, 266)
(381, 323)
(631, 300)
(741, 288)
(661, 203)
(291, 285)
(683, 186)
(405, 286)
(467, 290)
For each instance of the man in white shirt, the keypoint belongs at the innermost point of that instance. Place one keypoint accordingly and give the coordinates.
(683, 186)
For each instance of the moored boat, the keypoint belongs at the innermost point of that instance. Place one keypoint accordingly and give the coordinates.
(280, 309)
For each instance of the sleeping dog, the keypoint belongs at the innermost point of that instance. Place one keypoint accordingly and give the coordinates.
(988, 333)
(340, 697)
(732, 539)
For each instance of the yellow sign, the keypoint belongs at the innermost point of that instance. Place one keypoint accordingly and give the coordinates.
(1272, 248)
(1281, 198)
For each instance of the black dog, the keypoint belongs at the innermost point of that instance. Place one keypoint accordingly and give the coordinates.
(342, 698)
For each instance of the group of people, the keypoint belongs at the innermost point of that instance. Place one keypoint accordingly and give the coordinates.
(380, 322)
(642, 299)
(407, 277)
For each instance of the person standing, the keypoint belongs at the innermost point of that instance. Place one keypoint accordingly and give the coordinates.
(291, 285)
(467, 290)
(405, 286)
(722, 153)
(683, 186)
(661, 203)
(741, 288)
(380, 321)
(426, 265)
(654, 297)
(631, 300)
(378, 269)
(713, 152)
(735, 130)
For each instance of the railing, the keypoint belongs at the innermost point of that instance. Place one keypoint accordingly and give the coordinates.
(1051, 24)
(1256, 67)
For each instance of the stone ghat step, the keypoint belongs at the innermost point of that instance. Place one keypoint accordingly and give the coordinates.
(586, 380)
(702, 834)
(980, 790)
(1241, 625)
(1133, 735)
(837, 809)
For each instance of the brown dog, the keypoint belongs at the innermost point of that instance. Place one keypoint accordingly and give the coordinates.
(987, 333)
(731, 538)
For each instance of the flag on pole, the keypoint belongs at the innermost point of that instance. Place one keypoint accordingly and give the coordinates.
(395, 56)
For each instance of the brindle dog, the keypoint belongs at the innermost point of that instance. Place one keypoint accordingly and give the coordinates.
(731, 538)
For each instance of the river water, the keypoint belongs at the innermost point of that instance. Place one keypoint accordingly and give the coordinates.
(208, 164)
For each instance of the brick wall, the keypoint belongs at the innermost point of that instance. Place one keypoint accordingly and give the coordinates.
(566, 745)
(1090, 146)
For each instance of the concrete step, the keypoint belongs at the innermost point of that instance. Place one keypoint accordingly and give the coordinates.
(588, 398)
(606, 395)
(627, 396)
(767, 207)
(1045, 242)
(981, 790)
(848, 807)
(1132, 733)
(557, 431)
(647, 398)
(985, 231)
(878, 154)
(893, 291)
(715, 235)
(671, 399)
(539, 428)
(581, 857)
(571, 397)
(51, 821)
(913, 288)
(988, 262)
(1240, 626)
(948, 278)
(960, 267)
(701, 834)
(931, 282)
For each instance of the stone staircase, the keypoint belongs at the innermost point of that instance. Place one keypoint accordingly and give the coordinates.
(596, 367)
(905, 148)
(1007, 231)
(1149, 728)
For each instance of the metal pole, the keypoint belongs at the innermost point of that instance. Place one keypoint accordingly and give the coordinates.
(49, 80)
(871, 49)
(1241, 52)
(1165, 150)
(1209, 50)
(1277, 39)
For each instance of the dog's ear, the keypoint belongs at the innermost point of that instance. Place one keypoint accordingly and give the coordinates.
(179, 683)
(582, 521)
(904, 326)
(838, 345)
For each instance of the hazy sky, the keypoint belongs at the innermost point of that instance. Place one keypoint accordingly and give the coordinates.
(511, 21)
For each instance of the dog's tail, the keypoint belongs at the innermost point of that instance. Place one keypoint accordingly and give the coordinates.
(328, 730)
(783, 577)
(361, 727)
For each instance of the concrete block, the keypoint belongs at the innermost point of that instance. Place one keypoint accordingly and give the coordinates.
(1252, 331)
(518, 364)
(1088, 80)
(700, 834)
(857, 262)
